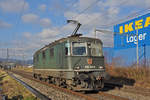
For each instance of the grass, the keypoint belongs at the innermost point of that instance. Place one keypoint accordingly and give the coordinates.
(14, 90)
(141, 75)
(24, 69)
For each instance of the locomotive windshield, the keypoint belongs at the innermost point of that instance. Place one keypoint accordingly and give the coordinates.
(83, 49)
(96, 49)
(79, 48)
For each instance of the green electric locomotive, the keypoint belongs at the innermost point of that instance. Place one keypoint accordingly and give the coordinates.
(74, 62)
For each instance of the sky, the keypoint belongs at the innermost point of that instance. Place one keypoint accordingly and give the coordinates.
(27, 25)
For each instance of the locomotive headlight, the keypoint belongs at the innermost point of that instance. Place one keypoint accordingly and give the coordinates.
(77, 68)
(101, 67)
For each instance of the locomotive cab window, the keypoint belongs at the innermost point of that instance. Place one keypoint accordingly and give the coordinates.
(51, 52)
(79, 48)
(96, 49)
(43, 54)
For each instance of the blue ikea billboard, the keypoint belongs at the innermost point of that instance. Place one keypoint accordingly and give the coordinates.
(125, 34)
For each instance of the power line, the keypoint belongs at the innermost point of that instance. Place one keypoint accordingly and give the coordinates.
(12, 53)
(127, 17)
(19, 19)
(74, 17)
(20, 15)
(66, 9)
(70, 6)
(105, 13)
(86, 9)
(13, 31)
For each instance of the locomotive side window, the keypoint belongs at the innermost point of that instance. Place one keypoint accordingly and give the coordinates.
(43, 54)
(96, 49)
(67, 49)
(51, 52)
(79, 48)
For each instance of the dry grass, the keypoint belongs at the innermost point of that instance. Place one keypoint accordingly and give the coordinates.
(13, 89)
(141, 75)
(24, 68)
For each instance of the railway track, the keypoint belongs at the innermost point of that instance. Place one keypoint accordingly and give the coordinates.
(29, 76)
(130, 89)
(34, 91)
(1, 96)
(144, 92)
(85, 96)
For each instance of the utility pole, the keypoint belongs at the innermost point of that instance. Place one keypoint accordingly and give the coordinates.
(95, 32)
(23, 56)
(7, 55)
(144, 55)
(102, 31)
(137, 48)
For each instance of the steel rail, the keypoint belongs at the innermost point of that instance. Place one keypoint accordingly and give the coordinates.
(114, 97)
(77, 94)
(34, 91)
(87, 97)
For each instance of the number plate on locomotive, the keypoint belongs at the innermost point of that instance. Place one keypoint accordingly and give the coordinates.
(89, 67)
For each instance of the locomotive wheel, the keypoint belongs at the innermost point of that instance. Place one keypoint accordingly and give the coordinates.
(45, 79)
(40, 78)
(69, 87)
(52, 80)
(34, 76)
(102, 84)
(57, 81)
(84, 84)
(63, 83)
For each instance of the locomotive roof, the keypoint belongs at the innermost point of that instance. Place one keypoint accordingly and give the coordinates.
(63, 40)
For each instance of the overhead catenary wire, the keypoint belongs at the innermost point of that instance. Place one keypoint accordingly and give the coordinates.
(70, 6)
(19, 16)
(86, 9)
(105, 13)
(79, 14)
(132, 15)
(74, 17)
(10, 53)
(16, 24)
(19, 20)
